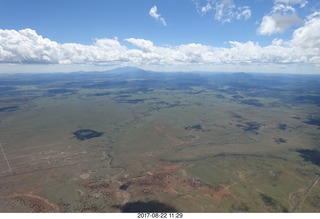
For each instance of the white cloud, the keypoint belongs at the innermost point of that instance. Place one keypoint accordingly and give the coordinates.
(302, 3)
(26, 46)
(277, 23)
(282, 16)
(147, 45)
(244, 12)
(283, 9)
(308, 36)
(224, 11)
(206, 9)
(154, 14)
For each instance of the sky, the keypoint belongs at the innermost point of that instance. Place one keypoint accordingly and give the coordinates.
(273, 36)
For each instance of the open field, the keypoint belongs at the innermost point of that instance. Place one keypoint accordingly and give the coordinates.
(147, 141)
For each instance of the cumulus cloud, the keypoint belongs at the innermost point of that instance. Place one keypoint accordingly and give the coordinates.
(308, 36)
(224, 11)
(147, 45)
(277, 23)
(154, 14)
(26, 46)
(282, 16)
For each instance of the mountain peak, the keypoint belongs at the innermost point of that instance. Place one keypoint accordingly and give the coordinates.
(126, 69)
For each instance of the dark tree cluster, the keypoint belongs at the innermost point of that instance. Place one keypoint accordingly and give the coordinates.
(85, 134)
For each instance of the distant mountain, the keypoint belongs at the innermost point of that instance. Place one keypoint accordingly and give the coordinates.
(132, 72)
(125, 70)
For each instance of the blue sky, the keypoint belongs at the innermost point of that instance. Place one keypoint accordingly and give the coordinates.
(205, 35)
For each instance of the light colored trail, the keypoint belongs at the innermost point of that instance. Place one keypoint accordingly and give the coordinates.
(5, 157)
(298, 135)
(297, 206)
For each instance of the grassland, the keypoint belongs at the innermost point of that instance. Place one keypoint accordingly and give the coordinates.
(147, 141)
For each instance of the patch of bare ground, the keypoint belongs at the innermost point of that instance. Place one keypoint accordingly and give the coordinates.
(109, 191)
(34, 202)
(174, 181)
(170, 181)
(217, 193)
